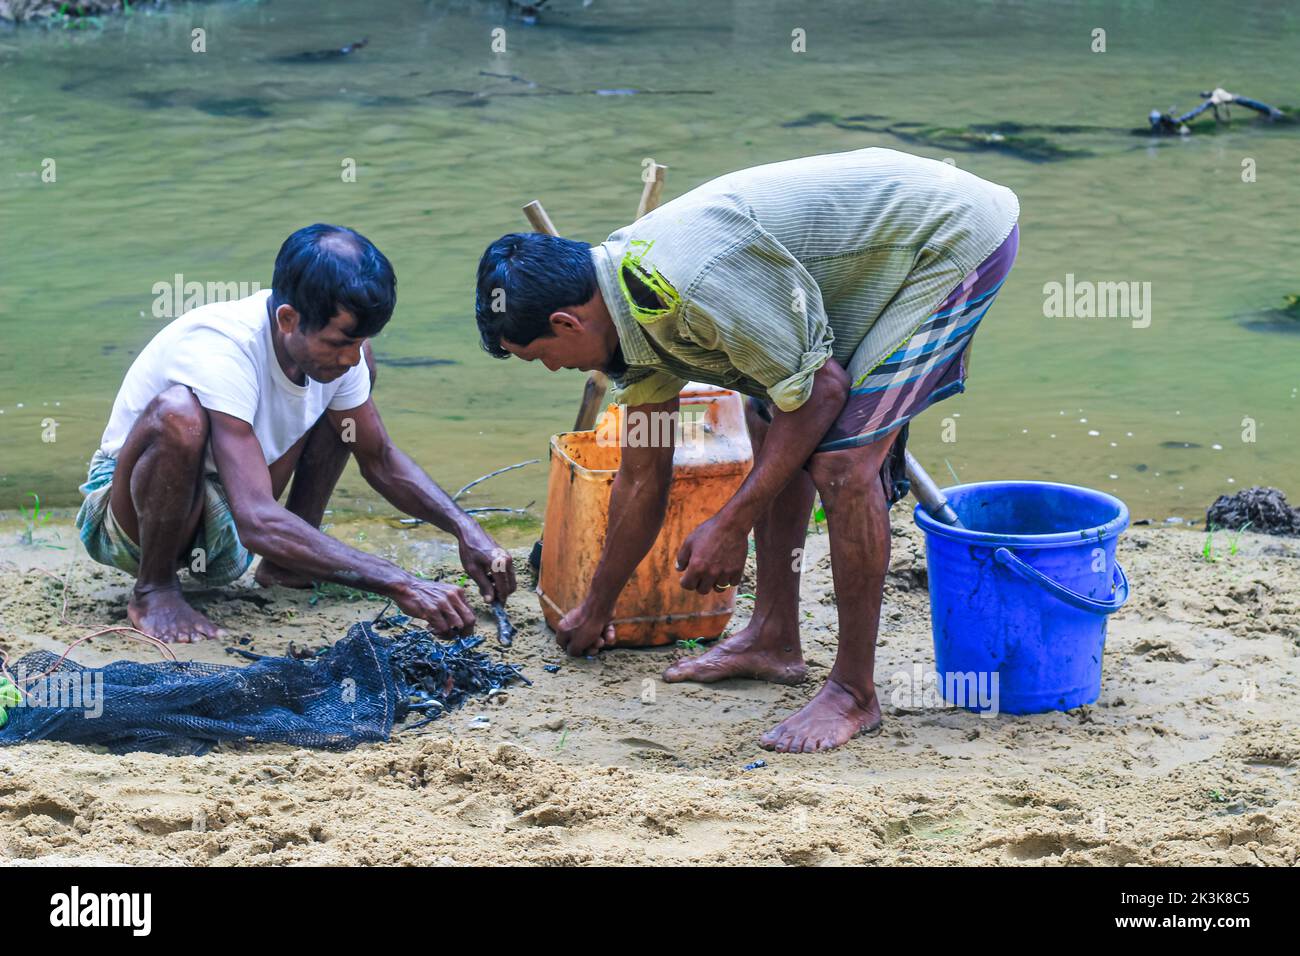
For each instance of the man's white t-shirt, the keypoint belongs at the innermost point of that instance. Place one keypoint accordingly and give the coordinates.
(223, 353)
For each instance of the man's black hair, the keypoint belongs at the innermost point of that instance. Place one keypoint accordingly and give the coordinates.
(322, 270)
(522, 279)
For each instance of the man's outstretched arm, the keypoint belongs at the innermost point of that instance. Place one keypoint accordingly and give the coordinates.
(637, 504)
(714, 553)
(406, 486)
(269, 529)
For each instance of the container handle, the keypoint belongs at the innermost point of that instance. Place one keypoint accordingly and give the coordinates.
(1119, 582)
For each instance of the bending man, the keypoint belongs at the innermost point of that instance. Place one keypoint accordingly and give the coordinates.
(840, 292)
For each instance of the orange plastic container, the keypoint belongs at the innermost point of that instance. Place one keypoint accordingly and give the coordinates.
(711, 460)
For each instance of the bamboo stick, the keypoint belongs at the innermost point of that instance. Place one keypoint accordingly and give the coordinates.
(654, 188)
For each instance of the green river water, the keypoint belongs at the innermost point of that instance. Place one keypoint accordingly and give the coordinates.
(172, 162)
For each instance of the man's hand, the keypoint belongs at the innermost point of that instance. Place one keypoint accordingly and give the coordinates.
(637, 503)
(581, 632)
(713, 555)
(442, 606)
(488, 565)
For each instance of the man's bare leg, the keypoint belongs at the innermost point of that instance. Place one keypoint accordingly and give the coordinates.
(767, 648)
(315, 463)
(858, 519)
(321, 458)
(157, 499)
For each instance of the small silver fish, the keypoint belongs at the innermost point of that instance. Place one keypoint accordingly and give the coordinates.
(505, 630)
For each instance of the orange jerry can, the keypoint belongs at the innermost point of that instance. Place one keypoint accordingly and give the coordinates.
(712, 457)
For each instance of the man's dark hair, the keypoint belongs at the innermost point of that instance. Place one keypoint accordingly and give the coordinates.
(522, 279)
(322, 270)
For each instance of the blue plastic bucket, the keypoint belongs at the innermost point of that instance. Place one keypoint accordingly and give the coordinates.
(1019, 597)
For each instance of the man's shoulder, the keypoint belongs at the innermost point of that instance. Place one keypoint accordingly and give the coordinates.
(235, 318)
(227, 327)
(672, 248)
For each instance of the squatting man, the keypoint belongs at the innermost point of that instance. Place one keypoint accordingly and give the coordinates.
(840, 293)
(234, 402)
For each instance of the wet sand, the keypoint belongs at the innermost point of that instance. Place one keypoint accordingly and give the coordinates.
(1190, 755)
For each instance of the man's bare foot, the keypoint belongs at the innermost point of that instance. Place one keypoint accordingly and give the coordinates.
(832, 718)
(747, 653)
(270, 575)
(164, 614)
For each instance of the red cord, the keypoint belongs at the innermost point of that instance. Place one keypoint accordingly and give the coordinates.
(131, 632)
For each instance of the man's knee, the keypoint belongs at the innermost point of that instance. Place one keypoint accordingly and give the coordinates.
(177, 420)
(833, 470)
(850, 470)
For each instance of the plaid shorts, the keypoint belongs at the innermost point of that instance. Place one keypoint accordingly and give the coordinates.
(928, 366)
(215, 557)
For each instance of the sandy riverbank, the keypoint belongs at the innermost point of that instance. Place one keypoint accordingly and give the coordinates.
(1190, 755)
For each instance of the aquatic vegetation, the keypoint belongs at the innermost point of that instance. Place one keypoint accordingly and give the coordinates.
(79, 16)
(76, 15)
(531, 88)
(245, 106)
(813, 119)
(414, 362)
(322, 56)
(1032, 147)
(1021, 140)
(1285, 320)
(1032, 142)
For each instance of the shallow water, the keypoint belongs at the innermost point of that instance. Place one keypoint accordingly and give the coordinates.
(170, 162)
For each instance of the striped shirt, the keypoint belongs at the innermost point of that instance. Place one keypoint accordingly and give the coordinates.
(753, 280)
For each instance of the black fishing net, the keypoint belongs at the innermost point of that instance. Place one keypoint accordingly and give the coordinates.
(348, 693)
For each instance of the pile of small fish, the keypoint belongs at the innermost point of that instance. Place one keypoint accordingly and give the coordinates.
(438, 676)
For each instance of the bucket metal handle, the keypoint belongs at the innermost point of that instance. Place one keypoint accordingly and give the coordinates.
(1119, 582)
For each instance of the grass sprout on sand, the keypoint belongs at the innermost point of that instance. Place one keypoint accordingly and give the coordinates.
(1208, 552)
(328, 589)
(33, 522)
